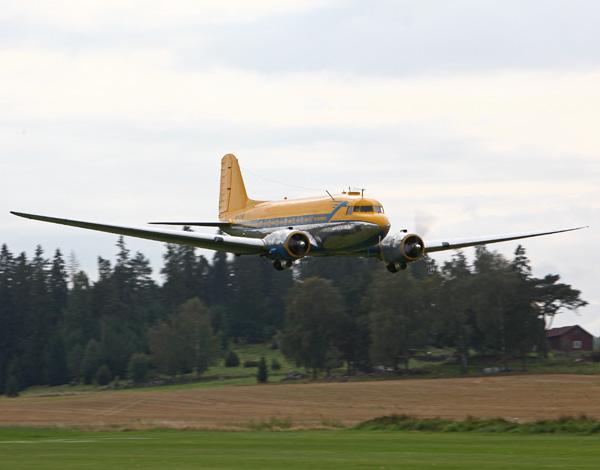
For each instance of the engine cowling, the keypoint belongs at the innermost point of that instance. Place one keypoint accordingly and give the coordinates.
(400, 249)
(288, 244)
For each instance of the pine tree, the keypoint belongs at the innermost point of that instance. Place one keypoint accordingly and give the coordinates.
(74, 361)
(21, 288)
(13, 380)
(8, 314)
(79, 323)
(138, 367)
(73, 266)
(185, 275)
(122, 280)
(551, 296)
(93, 358)
(218, 279)
(232, 359)
(506, 319)
(12, 386)
(247, 303)
(38, 323)
(56, 368)
(144, 298)
(262, 373)
(103, 375)
(57, 288)
(454, 317)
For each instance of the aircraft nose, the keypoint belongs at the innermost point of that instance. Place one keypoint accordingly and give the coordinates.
(383, 223)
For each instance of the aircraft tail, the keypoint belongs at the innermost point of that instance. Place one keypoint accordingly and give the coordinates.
(232, 196)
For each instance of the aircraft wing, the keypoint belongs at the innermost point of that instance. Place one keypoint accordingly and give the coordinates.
(209, 241)
(195, 224)
(454, 244)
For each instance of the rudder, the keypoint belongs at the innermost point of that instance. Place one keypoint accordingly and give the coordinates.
(232, 196)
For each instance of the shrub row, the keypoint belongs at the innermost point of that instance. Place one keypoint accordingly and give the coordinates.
(566, 424)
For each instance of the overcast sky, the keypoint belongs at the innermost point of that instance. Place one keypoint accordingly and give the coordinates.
(462, 117)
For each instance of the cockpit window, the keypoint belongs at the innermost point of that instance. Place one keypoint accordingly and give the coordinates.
(369, 209)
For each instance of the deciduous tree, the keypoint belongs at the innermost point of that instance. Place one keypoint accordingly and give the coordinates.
(312, 333)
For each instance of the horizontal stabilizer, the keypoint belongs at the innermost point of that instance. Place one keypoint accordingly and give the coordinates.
(194, 224)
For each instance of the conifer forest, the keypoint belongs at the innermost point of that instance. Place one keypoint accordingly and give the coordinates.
(57, 326)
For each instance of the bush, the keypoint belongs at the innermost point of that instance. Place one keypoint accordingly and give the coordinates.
(138, 367)
(566, 425)
(275, 365)
(262, 374)
(103, 375)
(12, 386)
(232, 359)
(251, 363)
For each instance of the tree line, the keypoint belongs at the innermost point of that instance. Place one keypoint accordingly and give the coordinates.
(56, 326)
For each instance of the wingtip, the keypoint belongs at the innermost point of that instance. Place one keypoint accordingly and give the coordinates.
(22, 214)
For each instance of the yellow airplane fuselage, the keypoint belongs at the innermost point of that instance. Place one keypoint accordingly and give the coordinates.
(343, 208)
(342, 223)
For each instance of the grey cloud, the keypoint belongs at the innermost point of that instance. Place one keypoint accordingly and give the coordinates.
(406, 37)
(385, 153)
(397, 38)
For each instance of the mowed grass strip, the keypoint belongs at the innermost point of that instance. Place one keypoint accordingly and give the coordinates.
(346, 449)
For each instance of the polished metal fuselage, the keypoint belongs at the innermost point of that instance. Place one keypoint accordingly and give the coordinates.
(331, 238)
(334, 223)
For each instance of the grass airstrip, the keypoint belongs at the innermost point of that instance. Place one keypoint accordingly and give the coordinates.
(226, 421)
(66, 449)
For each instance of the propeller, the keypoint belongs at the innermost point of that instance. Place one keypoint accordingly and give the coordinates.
(414, 250)
(298, 245)
(413, 246)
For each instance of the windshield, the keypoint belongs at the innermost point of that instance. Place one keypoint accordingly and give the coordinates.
(370, 209)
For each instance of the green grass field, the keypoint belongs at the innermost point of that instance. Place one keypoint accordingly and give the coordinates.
(218, 375)
(347, 449)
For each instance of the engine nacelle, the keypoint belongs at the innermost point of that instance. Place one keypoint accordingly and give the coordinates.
(288, 244)
(400, 249)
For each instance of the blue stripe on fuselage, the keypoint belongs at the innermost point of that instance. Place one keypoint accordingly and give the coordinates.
(292, 220)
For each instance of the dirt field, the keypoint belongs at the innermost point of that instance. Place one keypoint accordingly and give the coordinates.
(524, 397)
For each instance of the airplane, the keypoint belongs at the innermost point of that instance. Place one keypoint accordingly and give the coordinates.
(346, 224)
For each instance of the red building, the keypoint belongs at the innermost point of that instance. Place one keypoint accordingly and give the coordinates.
(570, 338)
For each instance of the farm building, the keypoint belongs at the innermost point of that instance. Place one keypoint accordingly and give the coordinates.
(570, 338)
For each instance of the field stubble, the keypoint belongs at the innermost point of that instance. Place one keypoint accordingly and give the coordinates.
(312, 405)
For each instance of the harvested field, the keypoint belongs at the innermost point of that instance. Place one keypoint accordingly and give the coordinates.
(525, 397)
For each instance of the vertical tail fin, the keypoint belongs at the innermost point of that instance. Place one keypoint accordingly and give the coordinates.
(233, 196)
